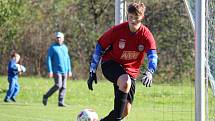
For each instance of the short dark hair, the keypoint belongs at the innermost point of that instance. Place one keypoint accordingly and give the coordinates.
(13, 53)
(136, 8)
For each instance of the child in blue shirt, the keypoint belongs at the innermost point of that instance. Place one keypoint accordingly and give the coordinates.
(14, 69)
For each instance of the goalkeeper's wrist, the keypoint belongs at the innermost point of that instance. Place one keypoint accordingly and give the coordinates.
(92, 70)
(150, 70)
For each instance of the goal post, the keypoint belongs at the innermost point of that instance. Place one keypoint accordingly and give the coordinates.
(200, 60)
(197, 10)
(120, 11)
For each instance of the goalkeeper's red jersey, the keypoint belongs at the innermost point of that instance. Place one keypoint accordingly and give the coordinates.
(128, 48)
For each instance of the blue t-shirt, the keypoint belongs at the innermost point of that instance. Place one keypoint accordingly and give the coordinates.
(12, 70)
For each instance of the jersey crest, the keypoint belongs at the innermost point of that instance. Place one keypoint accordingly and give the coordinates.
(140, 48)
(122, 43)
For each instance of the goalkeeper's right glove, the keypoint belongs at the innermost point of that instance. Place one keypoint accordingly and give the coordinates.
(92, 78)
(147, 78)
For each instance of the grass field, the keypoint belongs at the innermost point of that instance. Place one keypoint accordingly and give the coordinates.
(162, 102)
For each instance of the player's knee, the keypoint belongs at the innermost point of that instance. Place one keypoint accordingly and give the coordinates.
(18, 88)
(63, 88)
(58, 86)
(124, 83)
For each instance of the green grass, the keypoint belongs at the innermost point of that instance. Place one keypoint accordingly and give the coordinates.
(163, 102)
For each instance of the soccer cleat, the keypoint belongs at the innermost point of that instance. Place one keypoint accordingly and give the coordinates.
(61, 105)
(13, 99)
(102, 119)
(45, 100)
(6, 100)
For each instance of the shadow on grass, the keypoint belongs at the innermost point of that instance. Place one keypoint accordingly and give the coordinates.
(3, 91)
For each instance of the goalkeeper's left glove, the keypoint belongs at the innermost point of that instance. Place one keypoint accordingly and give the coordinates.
(147, 78)
(91, 79)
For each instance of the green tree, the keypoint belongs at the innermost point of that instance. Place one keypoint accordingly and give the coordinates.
(11, 15)
(29, 25)
(172, 29)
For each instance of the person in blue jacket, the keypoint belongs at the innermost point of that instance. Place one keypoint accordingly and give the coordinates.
(59, 67)
(14, 69)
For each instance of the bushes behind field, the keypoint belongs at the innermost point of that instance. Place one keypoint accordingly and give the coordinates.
(29, 25)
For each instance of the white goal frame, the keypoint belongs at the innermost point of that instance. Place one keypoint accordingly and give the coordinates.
(200, 80)
(200, 56)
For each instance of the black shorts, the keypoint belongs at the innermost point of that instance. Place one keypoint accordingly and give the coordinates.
(112, 71)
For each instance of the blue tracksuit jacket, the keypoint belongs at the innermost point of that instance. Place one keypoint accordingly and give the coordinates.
(58, 60)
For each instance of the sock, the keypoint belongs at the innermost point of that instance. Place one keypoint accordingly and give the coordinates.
(45, 96)
(119, 105)
(61, 100)
(110, 117)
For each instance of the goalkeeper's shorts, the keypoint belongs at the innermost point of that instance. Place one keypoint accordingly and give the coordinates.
(112, 71)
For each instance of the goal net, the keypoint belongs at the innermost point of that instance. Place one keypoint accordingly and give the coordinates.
(210, 37)
(209, 51)
(211, 43)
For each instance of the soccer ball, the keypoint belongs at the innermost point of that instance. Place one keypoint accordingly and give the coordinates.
(87, 115)
(21, 68)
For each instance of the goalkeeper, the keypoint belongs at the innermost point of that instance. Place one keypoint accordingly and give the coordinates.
(121, 50)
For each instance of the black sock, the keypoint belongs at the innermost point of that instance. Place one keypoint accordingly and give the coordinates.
(110, 116)
(119, 105)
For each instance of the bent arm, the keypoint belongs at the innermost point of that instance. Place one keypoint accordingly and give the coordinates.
(152, 60)
(96, 57)
(49, 60)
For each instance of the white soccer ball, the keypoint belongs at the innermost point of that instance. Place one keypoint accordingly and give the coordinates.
(23, 68)
(87, 115)
(19, 67)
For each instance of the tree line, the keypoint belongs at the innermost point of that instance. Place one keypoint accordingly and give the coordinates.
(28, 27)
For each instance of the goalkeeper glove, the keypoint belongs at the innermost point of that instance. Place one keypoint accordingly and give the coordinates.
(147, 78)
(91, 79)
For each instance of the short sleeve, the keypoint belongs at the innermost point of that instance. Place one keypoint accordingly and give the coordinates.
(150, 41)
(107, 38)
